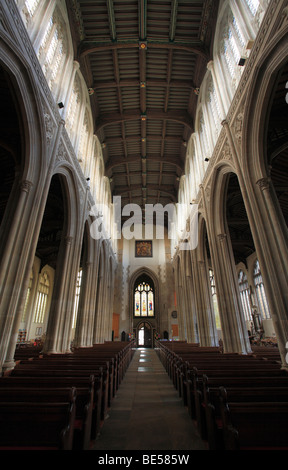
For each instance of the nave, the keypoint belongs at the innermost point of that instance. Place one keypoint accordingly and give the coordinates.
(147, 412)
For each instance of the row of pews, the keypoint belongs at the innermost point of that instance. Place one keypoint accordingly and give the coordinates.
(60, 401)
(238, 402)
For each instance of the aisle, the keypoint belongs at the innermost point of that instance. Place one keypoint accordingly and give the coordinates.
(147, 413)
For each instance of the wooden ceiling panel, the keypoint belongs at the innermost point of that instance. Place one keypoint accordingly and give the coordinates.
(143, 60)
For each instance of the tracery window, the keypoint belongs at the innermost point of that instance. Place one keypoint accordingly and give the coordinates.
(213, 104)
(27, 296)
(42, 298)
(77, 296)
(261, 299)
(203, 136)
(245, 295)
(232, 43)
(144, 300)
(53, 50)
(214, 298)
(74, 109)
(31, 6)
(253, 6)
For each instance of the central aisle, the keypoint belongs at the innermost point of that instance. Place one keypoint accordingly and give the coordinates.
(146, 413)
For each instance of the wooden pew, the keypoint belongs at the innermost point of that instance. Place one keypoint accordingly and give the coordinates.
(77, 369)
(255, 426)
(188, 367)
(247, 387)
(185, 369)
(74, 373)
(86, 387)
(83, 403)
(37, 426)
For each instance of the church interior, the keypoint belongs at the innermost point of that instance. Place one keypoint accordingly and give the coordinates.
(143, 224)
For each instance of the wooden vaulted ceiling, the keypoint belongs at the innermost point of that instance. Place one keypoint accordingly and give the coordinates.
(143, 61)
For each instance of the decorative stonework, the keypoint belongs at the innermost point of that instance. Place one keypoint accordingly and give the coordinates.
(222, 237)
(61, 154)
(238, 126)
(226, 153)
(26, 186)
(208, 193)
(264, 184)
(50, 128)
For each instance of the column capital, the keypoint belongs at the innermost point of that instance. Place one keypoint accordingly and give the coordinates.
(210, 65)
(221, 237)
(26, 186)
(68, 240)
(264, 183)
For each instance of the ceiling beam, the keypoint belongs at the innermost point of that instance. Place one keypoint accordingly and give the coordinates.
(180, 116)
(149, 83)
(168, 190)
(114, 162)
(85, 48)
(137, 138)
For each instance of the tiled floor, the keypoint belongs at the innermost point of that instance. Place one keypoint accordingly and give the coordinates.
(146, 413)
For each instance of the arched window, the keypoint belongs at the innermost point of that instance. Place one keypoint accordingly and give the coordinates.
(27, 296)
(77, 296)
(84, 141)
(53, 50)
(144, 302)
(203, 137)
(41, 299)
(213, 106)
(253, 6)
(214, 299)
(261, 299)
(74, 109)
(245, 295)
(232, 43)
(32, 6)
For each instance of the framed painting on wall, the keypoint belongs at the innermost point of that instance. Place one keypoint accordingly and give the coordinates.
(143, 249)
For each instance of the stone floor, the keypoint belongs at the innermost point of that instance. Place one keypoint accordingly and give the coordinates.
(146, 413)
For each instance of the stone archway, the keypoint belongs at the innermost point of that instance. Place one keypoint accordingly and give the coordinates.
(155, 321)
(144, 333)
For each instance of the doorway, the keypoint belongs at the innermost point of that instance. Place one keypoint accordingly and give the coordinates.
(144, 335)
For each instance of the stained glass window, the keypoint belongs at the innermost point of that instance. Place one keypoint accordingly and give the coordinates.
(144, 300)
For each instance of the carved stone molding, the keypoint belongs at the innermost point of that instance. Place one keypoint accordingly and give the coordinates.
(238, 127)
(68, 240)
(61, 154)
(264, 183)
(226, 154)
(221, 237)
(26, 186)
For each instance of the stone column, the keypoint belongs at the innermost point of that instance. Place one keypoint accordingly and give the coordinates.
(270, 238)
(191, 320)
(13, 270)
(273, 259)
(56, 334)
(98, 311)
(209, 335)
(235, 336)
(81, 339)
